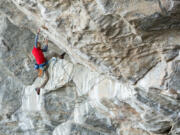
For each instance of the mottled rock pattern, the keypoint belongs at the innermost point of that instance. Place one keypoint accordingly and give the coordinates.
(16, 71)
(16, 45)
(130, 85)
(176, 127)
(112, 34)
(59, 104)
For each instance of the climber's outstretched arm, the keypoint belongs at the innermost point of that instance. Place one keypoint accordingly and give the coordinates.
(46, 46)
(54, 54)
(36, 38)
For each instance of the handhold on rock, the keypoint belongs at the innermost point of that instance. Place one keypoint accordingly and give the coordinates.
(62, 55)
(44, 27)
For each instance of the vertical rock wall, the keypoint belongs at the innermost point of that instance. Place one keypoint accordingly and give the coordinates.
(120, 75)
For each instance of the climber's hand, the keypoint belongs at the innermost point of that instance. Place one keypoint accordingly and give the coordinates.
(46, 41)
(38, 31)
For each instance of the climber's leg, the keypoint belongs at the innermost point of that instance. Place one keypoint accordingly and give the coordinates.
(46, 79)
(54, 54)
(40, 72)
(45, 70)
(46, 73)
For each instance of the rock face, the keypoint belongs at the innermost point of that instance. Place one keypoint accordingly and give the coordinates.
(120, 75)
(16, 65)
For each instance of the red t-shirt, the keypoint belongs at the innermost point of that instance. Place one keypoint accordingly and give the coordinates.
(39, 56)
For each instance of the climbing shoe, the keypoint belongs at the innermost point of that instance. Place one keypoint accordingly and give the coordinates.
(37, 90)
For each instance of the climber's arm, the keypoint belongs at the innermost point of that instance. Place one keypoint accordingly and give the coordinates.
(36, 38)
(46, 46)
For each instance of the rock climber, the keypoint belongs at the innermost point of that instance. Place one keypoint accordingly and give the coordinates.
(42, 62)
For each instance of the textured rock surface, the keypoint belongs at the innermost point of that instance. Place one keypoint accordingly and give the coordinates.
(15, 51)
(16, 66)
(120, 75)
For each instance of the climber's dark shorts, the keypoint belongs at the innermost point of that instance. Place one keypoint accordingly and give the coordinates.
(42, 66)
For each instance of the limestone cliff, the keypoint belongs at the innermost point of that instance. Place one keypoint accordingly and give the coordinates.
(120, 75)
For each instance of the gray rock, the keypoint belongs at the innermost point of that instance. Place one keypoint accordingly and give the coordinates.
(156, 123)
(11, 90)
(59, 104)
(124, 40)
(163, 110)
(16, 70)
(16, 50)
(175, 77)
(176, 128)
(103, 123)
(93, 118)
(171, 54)
(72, 128)
(83, 130)
(160, 103)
